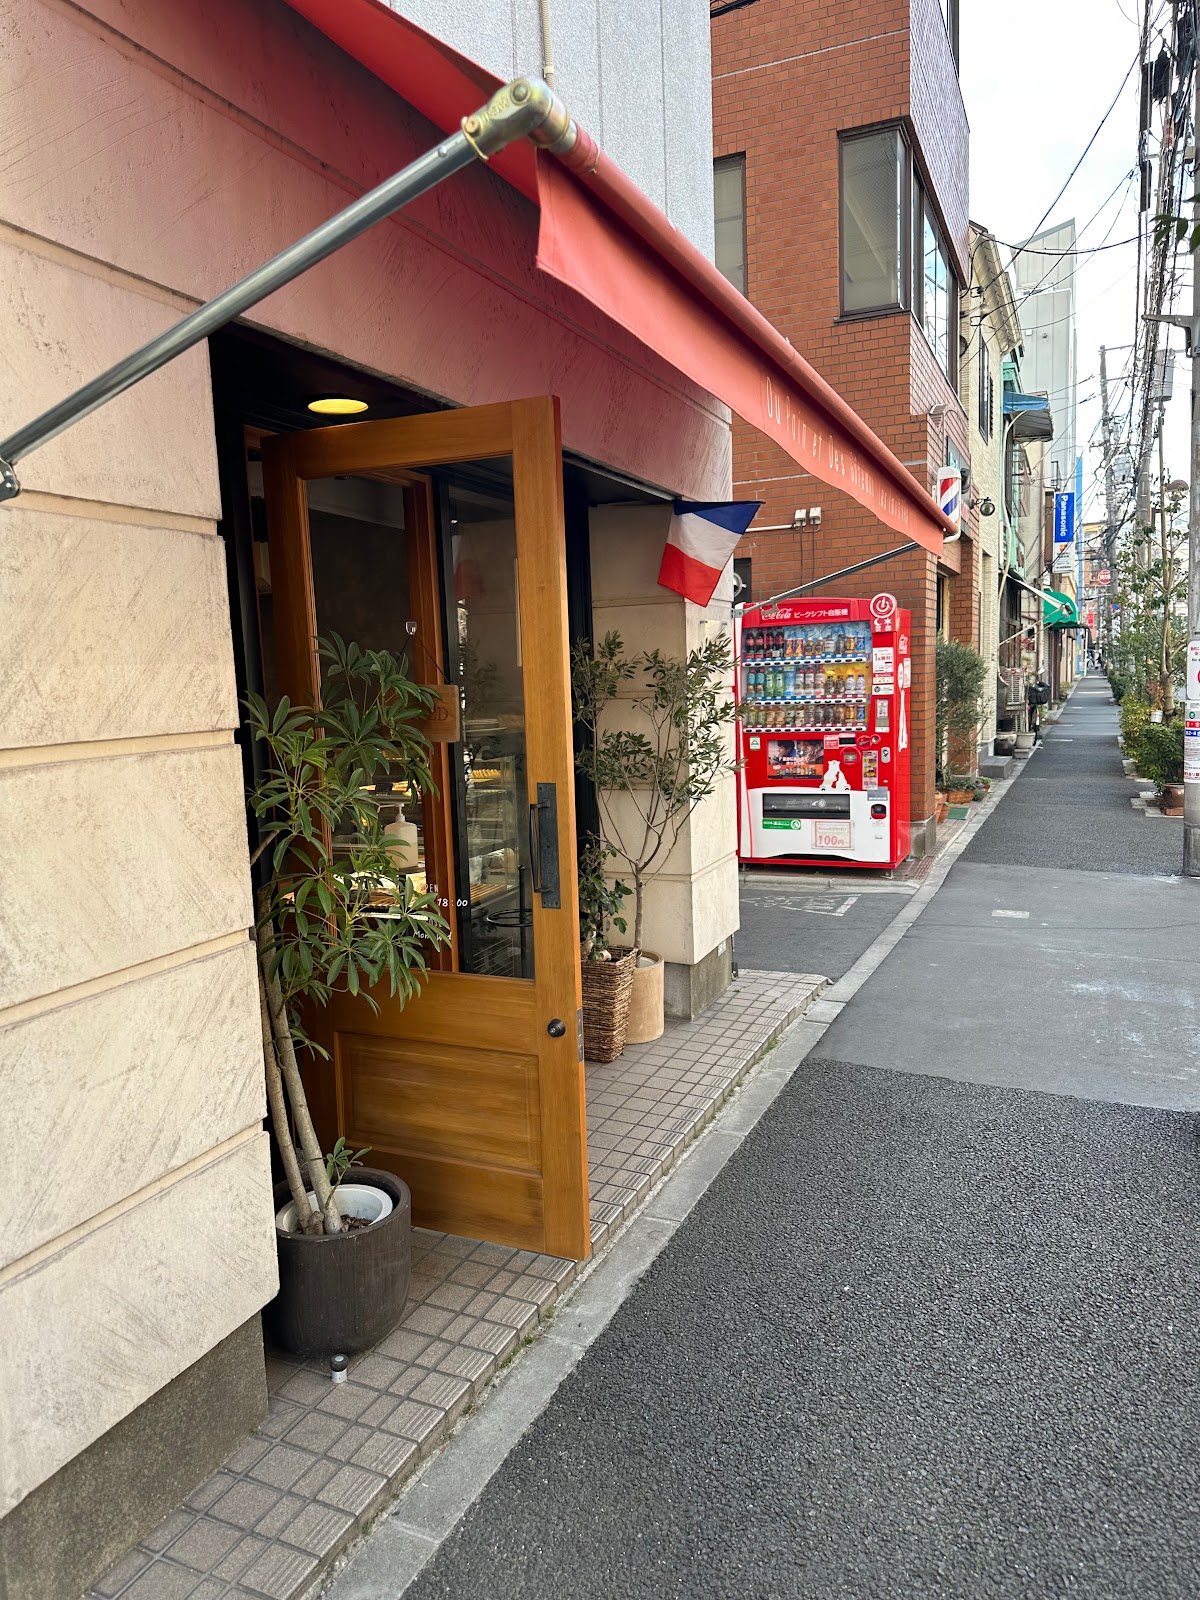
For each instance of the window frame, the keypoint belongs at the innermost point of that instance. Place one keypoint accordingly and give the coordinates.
(728, 163)
(924, 216)
(983, 390)
(903, 243)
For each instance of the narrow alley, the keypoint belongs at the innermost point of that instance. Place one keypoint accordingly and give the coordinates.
(933, 1328)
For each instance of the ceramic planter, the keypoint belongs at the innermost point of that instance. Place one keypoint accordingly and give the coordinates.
(342, 1292)
(646, 1016)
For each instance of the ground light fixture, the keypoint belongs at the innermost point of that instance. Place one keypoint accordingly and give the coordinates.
(337, 405)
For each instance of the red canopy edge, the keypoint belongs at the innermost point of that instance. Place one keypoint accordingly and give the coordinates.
(602, 237)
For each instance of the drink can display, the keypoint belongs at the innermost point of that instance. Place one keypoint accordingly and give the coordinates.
(789, 684)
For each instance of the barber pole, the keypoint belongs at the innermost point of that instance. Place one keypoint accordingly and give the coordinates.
(950, 494)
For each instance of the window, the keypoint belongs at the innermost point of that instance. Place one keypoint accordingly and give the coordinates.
(935, 292)
(985, 388)
(729, 210)
(950, 13)
(874, 173)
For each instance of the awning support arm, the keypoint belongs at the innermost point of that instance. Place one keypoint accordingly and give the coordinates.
(842, 572)
(526, 108)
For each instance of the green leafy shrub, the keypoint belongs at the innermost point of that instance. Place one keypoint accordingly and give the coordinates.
(961, 676)
(1160, 752)
(1135, 716)
(1118, 685)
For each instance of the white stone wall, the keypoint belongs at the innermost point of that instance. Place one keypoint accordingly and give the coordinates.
(635, 73)
(137, 1210)
(692, 903)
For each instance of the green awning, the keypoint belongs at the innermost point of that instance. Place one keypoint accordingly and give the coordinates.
(1059, 610)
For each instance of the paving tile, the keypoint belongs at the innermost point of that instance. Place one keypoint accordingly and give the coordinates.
(403, 1345)
(162, 1580)
(317, 1431)
(446, 1394)
(453, 1245)
(277, 1519)
(244, 1457)
(317, 1528)
(517, 1314)
(378, 1371)
(351, 1441)
(317, 1476)
(122, 1572)
(380, 1410)
(205, 1543)
(474, 1274)
(498, 1254)
(433, 1352)
(281, 1415)
(476, 1366)
(426, 1319)
(245, 1503)
(451, 1296)
(478, 1304)
(347, 1399)
(279, 1370)
(304, 1387)
(352, 1489)
(281, 1466)
(539, 1291)
(491, 1336)
(279, 1572)
(167, 1530)
(392, 1454)
(213, 1487)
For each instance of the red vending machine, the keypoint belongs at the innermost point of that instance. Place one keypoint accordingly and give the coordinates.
(825, 690)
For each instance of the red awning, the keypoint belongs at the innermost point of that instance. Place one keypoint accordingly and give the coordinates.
(603, 238)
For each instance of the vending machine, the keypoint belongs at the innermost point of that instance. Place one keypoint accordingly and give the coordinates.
(824, 688)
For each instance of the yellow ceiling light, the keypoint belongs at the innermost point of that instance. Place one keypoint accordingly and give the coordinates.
(337, 405)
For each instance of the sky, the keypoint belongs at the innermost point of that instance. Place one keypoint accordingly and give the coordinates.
(1037, 77)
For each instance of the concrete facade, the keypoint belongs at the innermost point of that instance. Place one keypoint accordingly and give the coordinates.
(788, 79)
(129, 1028)
(991, 334)
(635, 74)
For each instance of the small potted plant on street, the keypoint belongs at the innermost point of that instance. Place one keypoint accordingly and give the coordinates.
(336, 913)
(650, 776)
(607, 969)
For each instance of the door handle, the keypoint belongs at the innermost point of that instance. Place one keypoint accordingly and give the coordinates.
(543, 846)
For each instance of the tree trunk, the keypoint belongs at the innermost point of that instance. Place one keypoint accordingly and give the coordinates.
(308, 1219)
(310, 1145)
(639, 890)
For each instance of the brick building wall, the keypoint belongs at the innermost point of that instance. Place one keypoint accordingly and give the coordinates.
(788, 76)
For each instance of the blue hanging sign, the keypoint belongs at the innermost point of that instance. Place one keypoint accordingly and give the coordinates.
(1064, 517)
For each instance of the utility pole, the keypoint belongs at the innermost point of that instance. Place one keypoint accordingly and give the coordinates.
(1191, 726)
(1110, 495)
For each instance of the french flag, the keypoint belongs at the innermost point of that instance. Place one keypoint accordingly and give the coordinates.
(703, 536)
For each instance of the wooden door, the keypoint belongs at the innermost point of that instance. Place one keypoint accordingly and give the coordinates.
(441, 537)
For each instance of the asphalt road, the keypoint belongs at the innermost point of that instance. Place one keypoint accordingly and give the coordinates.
(793, 925)
(935, 1328)
(1071, 807)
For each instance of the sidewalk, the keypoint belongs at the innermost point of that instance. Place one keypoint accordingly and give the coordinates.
(934, 1326)
(272, 1521)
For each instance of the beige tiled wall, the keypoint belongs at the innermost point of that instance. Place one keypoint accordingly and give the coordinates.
(692, 904)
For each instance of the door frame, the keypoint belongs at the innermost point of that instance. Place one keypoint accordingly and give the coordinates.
(528, 433)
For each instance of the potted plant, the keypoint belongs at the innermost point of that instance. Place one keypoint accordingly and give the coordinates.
(607, 971)
(336, 913)
(1160, 758)
(961, 676)
(650, 777)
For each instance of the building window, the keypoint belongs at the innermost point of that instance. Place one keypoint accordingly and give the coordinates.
(874, 172)
(934, 288)
(985, 389)
(950, 13)
(729, 208)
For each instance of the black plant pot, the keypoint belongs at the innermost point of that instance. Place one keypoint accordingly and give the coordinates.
(342, 1292)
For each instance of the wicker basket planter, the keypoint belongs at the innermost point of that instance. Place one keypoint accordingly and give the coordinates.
(607, 986)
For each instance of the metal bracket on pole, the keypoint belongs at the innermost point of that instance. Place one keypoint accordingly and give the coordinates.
(526, 108)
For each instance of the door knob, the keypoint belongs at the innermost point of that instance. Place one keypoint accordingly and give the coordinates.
(556, 1027)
